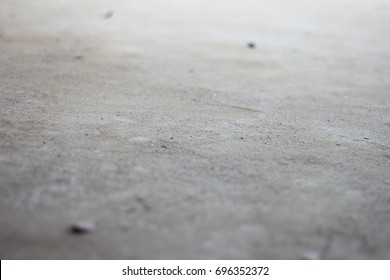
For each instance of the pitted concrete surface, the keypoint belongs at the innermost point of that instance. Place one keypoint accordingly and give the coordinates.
(155, 122)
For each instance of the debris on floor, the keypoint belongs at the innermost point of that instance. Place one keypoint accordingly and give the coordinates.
(83, 227)
(251, 45)
(142, 201)
(107, 15)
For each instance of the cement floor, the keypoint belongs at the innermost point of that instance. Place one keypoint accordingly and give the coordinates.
(155, 121)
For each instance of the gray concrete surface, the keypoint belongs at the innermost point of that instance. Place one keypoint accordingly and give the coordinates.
(155, 121)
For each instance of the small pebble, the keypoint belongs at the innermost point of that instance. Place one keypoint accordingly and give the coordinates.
(251, 45)
(107, 14)
(83, 227)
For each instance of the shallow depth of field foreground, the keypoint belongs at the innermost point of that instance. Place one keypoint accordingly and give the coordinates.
(198, 129)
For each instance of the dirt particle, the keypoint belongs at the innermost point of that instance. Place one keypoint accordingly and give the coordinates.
(251, 45)
(78, 57)
(83, 227)
(142, 201)
(107, 14)
(163, 146)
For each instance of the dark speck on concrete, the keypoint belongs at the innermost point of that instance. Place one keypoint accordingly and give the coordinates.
(251, 45)
(108, 14)
(83, 227)
(142, 201)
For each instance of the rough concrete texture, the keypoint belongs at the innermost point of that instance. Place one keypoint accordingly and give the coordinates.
(156, 124)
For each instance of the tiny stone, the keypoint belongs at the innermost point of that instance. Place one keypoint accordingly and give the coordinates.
(367, 138)
(83, 227)
(251, 45)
